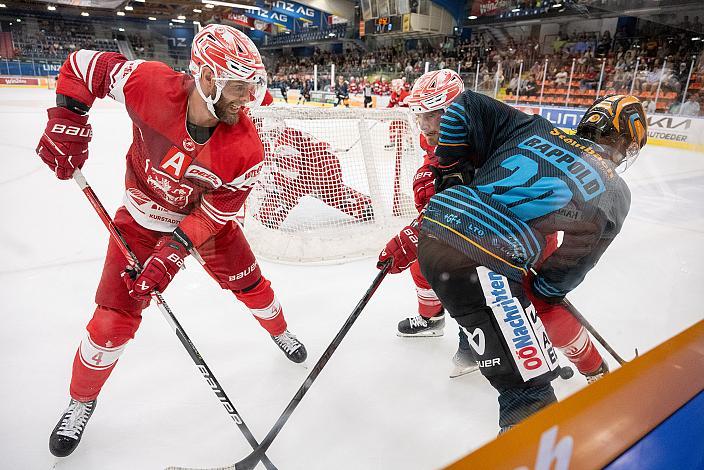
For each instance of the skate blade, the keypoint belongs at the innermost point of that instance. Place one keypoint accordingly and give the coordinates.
(424, 334)
(459, 371)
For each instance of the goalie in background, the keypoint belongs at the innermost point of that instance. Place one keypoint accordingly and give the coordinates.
(305, 166)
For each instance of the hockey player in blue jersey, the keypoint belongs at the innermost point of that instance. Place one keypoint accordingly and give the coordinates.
(505, 182)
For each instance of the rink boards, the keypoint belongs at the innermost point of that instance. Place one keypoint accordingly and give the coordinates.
(649, 414)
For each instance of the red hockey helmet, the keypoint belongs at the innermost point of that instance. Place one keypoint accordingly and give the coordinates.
(231, 55)
(435, 90)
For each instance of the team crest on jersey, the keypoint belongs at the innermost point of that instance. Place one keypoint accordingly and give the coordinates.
(175, 163)
(188, 144)
(171, 191)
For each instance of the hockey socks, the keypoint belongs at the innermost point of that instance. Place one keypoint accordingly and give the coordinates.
(572, 339)
(107, 334)
(262, 302)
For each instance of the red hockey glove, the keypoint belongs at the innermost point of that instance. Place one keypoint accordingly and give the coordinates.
(402, 250)
(64, 144)
(159, 270)
(423, 186)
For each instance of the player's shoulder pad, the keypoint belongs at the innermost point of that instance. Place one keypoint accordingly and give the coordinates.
(238, 154)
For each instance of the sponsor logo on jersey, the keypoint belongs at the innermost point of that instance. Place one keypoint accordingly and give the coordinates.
(247, 180)
(203, 174)
(523, 331)
(175, 163)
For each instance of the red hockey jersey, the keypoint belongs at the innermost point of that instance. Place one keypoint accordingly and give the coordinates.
(171, 180)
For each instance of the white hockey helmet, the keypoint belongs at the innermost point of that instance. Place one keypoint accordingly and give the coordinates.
(435, 90)
(231, 55)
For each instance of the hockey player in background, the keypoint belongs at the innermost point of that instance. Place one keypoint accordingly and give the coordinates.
(398, 94)
(505, 182)
(193, 160)
(342, 92)
(430, 96)
(397, 128)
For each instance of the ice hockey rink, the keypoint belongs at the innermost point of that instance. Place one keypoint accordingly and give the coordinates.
(382, 402)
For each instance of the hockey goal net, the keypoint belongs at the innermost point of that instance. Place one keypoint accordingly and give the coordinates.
(335, 185)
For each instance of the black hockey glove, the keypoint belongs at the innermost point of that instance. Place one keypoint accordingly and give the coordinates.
(447, 176)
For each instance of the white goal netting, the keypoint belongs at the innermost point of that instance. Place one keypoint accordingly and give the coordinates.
(336, 184)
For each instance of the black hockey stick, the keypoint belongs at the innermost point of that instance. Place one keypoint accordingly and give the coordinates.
(252, 459)
(573, 310)
(170, 317)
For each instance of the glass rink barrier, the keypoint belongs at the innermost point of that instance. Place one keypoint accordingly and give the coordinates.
(664, 85)
(647, 415)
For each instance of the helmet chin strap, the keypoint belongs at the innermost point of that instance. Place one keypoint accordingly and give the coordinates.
(209, 102)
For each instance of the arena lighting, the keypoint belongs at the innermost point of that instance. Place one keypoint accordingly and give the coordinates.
(151, 18)
(197, 10)
(693, 39)
(229, 4)
(557, 5)
(472, 17)
(175, 20)
(85, 13)
(2, 5)
(51, 7)
(120, 29)
(516, 10)
(209, 5)
(120, 13)
(181, 17)
(128, 8)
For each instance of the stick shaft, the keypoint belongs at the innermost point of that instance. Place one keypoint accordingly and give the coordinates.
(251, 460)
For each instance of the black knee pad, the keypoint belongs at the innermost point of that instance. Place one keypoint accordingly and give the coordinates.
(507, 338)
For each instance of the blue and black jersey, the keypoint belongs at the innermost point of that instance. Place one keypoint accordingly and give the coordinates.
(531, 178)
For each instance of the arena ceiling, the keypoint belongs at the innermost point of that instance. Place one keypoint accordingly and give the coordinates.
(159, 9)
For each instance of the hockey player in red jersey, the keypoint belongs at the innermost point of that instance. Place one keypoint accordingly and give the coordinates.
(431, 95)
(194, 158)
(398, 94)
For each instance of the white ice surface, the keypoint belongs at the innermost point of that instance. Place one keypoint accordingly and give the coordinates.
(382, 402)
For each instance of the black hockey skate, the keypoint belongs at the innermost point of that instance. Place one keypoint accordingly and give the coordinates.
(419, 326)
(68, 432)
(290, 345)
(597, 374)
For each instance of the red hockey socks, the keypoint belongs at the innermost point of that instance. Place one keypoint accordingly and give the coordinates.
(107, 335)
(571, 338)
(428, 303)
(265, 307)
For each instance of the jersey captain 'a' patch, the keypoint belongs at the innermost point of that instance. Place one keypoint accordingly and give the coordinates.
(175, 163)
